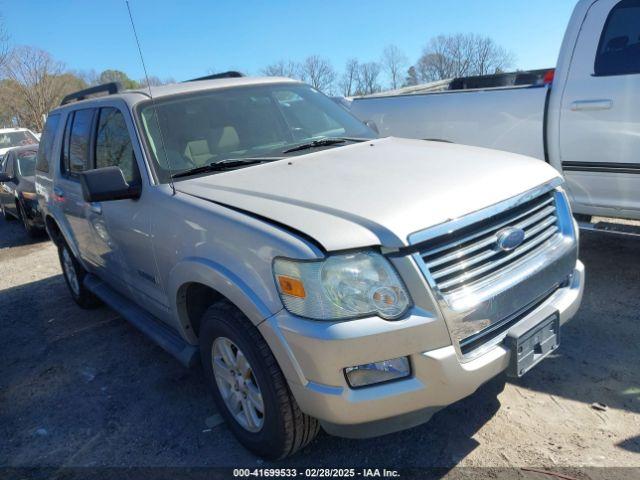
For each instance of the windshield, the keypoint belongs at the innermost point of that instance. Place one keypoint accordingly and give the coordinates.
(27, 163)
(206, 127)
(17, 139)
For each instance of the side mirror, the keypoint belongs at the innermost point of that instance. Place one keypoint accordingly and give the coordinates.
(371, 124)
(105, 184)
(4, 178)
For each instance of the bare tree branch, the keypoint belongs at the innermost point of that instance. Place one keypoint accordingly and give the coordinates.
(368, 78)
(449, 56)
(37, 84)
(350, 78)
(282, 68)
(394, 62)
(4, 43)
(154, 81)
(318, 72)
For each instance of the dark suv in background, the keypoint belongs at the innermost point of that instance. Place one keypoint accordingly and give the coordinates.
(17, 188)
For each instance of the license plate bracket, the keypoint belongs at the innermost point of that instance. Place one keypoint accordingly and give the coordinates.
(531, 344)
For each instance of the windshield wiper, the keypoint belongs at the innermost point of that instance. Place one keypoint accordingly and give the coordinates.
(222, 165)
(324, 142)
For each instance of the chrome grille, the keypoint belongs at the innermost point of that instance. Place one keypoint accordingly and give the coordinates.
(471, 254)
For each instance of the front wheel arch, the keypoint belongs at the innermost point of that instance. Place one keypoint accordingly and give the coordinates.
(215, 282)
(54, 231)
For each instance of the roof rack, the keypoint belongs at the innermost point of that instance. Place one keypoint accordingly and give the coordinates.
(215, 76)
(108, 88)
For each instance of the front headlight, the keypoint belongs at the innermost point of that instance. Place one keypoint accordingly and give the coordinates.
(341, 287)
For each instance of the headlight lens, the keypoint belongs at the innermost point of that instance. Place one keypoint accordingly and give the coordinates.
(341, 287)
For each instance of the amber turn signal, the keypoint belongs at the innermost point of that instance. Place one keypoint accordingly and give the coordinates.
(291, 286)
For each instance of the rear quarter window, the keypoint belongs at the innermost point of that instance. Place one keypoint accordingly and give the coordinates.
(46, 142)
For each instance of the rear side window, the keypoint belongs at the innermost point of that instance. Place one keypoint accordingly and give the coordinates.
(113, 143)
(9, 165)
(75, 153)
(46, 142)
(26, 163)
(619, 48)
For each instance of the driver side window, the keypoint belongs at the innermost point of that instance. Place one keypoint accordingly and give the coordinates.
(113, 144)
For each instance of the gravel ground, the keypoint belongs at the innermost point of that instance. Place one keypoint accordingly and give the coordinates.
(86, 389)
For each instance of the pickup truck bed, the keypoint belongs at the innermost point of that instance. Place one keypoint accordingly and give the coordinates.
(583, 117)
(509, 119)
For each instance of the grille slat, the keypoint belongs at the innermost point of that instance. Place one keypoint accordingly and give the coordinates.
(515, 253)
(464, 265)
(490, 239)
(471, 255)
(492, 228)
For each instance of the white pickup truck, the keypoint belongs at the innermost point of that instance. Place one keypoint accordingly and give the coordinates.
(585, 120)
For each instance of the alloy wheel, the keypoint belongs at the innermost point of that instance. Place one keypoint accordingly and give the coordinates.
(70, 271)
(237, 384)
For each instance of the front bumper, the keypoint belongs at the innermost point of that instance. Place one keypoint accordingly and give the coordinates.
(313, 356)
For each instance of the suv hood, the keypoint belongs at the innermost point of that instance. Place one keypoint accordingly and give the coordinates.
(373, 193)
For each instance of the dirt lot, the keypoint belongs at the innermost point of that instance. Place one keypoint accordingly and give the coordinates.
(85, 389)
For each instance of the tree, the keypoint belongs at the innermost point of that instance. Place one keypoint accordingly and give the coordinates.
(412, 77)
(4, 43)
(108, 76)
(368, 78)
(12, 111)
(490, 58)
(350, 78)
(34, 84)
(460, 55)
(394, 62)
(154, 81)
(282, 68)
(90, 77)
(318, 72)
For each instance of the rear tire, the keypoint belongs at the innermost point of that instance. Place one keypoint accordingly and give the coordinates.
(283, 428)
(7, 217)
(32, 231)
(74, 275)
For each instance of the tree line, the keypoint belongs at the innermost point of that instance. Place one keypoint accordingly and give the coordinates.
(443, 57)
(32, 82)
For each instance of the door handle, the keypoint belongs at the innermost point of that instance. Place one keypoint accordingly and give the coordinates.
(602, 104)
(96, 208)
(58, 192)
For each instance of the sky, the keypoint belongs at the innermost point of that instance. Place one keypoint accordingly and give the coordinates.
(190, 38)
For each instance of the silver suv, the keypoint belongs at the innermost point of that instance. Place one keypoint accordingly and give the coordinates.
(323, 276)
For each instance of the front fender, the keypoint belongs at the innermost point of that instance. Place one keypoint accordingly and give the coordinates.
(220, 279)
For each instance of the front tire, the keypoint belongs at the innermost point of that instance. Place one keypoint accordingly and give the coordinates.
(74, 274)
(249, 388)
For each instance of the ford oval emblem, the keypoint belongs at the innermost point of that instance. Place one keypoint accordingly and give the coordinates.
(509, 238)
